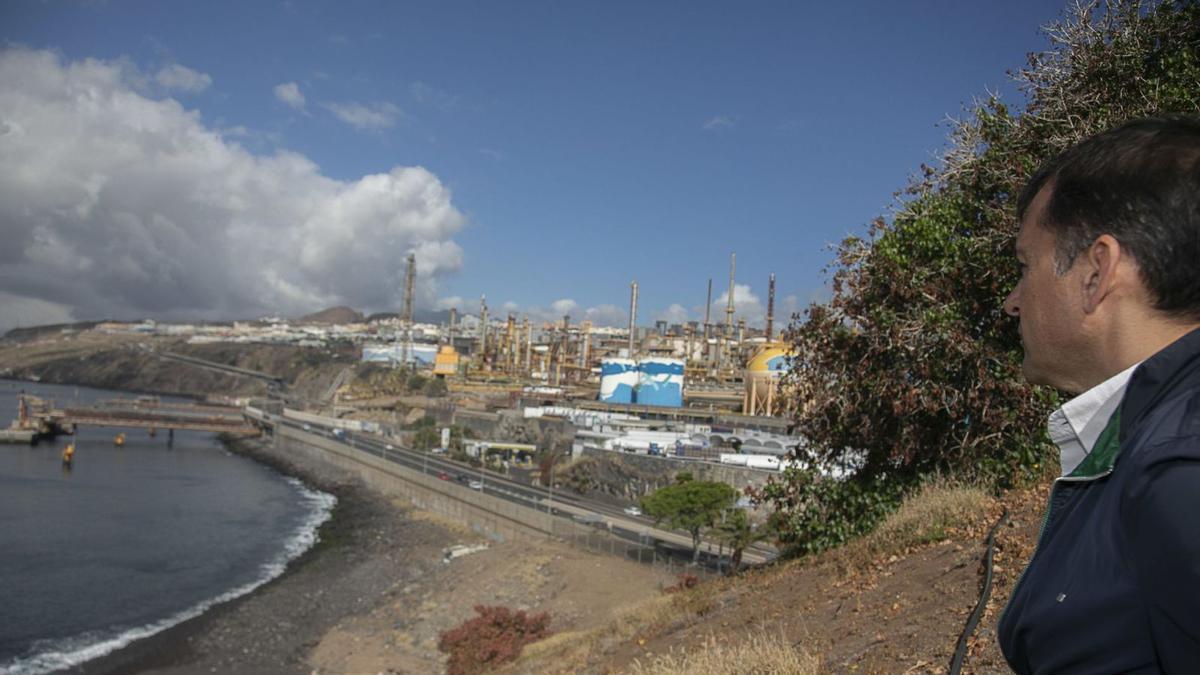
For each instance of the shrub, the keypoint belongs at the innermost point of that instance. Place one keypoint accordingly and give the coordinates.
(494, 637)
(685, 581)
(912, 368)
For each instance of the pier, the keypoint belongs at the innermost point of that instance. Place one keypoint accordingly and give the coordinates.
(38, 418)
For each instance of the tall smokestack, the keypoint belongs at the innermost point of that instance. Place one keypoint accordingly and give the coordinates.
(483, 329)
(707, 311)
(771, 307)
(406, 315)
(729, 303)
(632, 315)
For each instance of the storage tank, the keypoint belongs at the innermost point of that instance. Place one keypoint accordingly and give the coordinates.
(762, 375)
(618, 379)
(660, 382)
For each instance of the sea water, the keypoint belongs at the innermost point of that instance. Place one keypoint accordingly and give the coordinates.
(130, 541)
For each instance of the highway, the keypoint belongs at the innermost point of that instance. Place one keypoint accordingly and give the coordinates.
(633, 529)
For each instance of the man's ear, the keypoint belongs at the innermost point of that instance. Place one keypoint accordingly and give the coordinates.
(1101, 261)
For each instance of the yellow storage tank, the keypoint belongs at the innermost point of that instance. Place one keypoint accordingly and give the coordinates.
(762, 375)
(445, 362)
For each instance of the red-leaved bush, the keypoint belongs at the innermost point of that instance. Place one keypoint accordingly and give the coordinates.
(494, 637)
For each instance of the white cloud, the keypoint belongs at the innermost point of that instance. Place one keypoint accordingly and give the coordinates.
(289, 93)
(451, 302)
(600, 315)
(564, 306)
(116, 204)
(182, 78)
(746, 305)
(373, 117)
(607, 315)
(718, 122)
(676, 313)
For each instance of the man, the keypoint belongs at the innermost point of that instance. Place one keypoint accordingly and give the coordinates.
(1109, 309)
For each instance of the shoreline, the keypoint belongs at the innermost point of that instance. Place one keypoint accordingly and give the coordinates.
(352, 563)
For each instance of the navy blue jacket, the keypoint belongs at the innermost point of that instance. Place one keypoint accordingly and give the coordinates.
(1114, 586)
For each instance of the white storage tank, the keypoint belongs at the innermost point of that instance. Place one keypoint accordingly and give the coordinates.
(660, 382)
(618, 380)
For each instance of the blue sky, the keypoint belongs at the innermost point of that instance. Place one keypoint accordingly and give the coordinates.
(582, 144)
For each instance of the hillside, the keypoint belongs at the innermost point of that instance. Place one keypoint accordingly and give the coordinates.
(116, 362)
(333, 315)
(893, 602)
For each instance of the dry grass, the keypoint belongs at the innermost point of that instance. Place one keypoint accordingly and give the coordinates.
(570, 651)
(934, 513)
(939, 510)
(758, 654)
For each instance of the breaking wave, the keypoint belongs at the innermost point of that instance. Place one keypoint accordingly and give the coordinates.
(59, 654)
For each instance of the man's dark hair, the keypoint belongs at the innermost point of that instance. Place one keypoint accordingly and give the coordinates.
(1140, 183)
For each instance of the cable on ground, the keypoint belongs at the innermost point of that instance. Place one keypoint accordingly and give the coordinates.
(960, 651)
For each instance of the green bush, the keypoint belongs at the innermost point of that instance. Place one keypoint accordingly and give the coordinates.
(912, 368)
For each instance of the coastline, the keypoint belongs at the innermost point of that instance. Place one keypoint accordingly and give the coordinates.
(363, 551)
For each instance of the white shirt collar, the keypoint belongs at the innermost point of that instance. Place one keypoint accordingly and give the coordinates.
(1076, 426)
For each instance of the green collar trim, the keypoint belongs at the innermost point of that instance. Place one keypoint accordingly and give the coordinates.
(1103, 456)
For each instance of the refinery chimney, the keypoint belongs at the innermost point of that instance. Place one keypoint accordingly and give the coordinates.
(729, 303)
(770, 307)
(632, 315)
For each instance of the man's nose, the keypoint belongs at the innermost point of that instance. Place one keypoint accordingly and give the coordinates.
(1010, 304)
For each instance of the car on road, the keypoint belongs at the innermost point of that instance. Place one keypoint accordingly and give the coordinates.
(388, 447)
(462, 478)
(632, 511)
(475, 485)
(444, 476)
(307, 427)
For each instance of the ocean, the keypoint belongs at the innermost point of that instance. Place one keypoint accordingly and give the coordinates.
(131, 541)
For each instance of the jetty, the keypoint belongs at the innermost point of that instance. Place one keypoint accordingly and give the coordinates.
(39, 418)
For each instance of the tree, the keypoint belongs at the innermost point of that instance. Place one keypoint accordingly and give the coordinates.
(738, 533)
(912, 367)
(690, 505)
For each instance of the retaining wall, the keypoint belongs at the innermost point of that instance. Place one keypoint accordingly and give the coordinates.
(491, 516)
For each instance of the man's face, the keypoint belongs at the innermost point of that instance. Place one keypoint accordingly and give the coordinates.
(1049, 306)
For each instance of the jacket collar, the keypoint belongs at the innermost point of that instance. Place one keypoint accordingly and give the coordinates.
(1157, 376)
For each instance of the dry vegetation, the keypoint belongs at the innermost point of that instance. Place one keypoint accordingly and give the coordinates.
(730, 625)
(757, 655)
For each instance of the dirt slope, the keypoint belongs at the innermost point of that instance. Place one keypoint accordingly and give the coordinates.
(901, 614)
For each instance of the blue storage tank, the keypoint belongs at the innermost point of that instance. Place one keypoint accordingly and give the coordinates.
(618, 379)
(660, 382)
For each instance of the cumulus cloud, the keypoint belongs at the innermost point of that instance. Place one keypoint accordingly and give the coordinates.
(113, 204)
(289, 93)
(676, 313)
(182, 78)
(746, 305)
(372, 117)
(600, 315)
(564, 306)
(452, 302)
